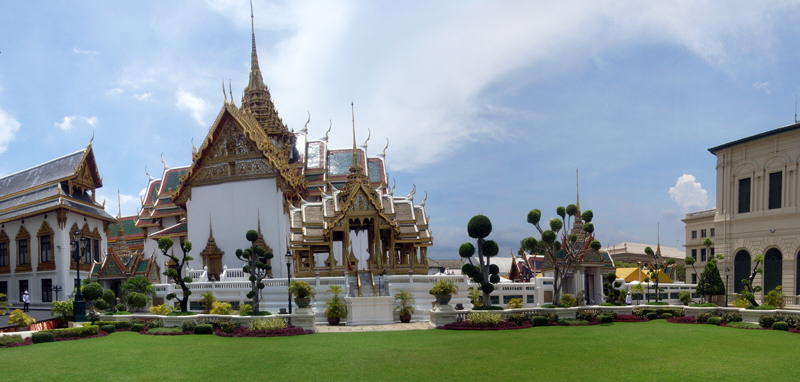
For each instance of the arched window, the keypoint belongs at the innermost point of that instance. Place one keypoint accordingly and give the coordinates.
(741, 269)
(46, 247)
(773, 269)
(5, 259)
(23, 250)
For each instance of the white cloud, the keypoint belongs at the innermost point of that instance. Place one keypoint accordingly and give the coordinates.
(425, 72)
(196, 106)
(129, 204)
(144, 97)
(115, 91)
(85, 51)
(70, 121)
(762, 86)
(9, 127)
(688, 193)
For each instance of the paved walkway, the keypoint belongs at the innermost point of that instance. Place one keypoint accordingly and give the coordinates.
(322, 328)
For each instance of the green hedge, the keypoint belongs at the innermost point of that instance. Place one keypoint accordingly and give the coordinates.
(137, 327)
(203, 329)
(716, 320)
(84, 331)
(118, 325)
(109, 328)
(11, 339)
(40, 337)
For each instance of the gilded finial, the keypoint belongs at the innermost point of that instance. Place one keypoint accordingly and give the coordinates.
(194, 148)
(230, 91)
(224, 94)
(119, 207)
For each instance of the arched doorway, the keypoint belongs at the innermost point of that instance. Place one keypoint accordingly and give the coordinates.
(741, 269)
(773, 269)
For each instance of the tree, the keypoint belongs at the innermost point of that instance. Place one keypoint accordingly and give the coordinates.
(257, 266)
(613, 295)
(657, 267)
(562, 249)
(689, 260)
(485, 274)
(637, 290)
(92, 291)
(175, 270)
(749, 290)
(710, 283)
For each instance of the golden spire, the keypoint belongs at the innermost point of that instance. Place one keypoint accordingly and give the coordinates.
(658, 240)
(356, 165)
(256, 81)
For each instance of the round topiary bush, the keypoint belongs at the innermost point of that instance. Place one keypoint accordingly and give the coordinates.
(479, 227)
(467, 269)
(466, 250)
(121, 308)
(540, 321)
(605, 318)
(41, 337)
(203, 329)
(651, 315)
(494, 269)
(108, 328)
(714, 320)
(137, 327)
(666, 315)
(780, 325)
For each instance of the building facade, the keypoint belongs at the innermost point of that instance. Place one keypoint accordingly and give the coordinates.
(42, 210)
(757, 212)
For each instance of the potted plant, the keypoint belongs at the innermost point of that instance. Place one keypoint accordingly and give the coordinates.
(335, 308)
(443, 290)
(302, 293)
(405, 305)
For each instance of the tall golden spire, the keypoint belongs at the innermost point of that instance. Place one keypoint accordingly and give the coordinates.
(257, 100)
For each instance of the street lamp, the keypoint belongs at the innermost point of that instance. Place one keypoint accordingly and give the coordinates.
(78, 305)
(727, 273)
(289, 276)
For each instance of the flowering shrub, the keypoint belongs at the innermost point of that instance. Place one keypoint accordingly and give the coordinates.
(266, 324)
(502, 325)
(484, 318)
(161, 310)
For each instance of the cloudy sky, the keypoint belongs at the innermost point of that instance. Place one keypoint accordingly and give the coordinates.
(489, 107)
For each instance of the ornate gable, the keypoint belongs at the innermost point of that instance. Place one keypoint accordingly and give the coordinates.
(237, 148)
(86, 174)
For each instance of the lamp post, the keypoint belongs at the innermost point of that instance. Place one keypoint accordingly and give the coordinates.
(727, 273)
(289, 276)
(78, 305)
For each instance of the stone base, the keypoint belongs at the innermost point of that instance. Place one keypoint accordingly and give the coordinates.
(373, 310)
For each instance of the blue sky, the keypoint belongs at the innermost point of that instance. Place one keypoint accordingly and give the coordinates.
(488, 106)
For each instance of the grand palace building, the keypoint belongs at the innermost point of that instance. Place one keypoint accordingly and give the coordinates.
(757, 213)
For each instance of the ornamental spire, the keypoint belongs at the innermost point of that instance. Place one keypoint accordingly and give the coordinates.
(256, 81)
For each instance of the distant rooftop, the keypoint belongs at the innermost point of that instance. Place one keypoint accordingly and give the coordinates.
(638, 248)
(765, 134)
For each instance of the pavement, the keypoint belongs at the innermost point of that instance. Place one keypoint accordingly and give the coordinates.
(322, 328)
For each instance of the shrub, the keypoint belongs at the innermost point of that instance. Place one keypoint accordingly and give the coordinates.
(549, 306)
(766, 321)
(540, 321)
(728, 317)
(219, 307)
(792, 321)
(335, 307)
(703, 317)
(11, 339)
(780, 325)
(683, 320)
(515, 303)
(63, 309)
(92, 291)
(267, 324)
(188, 326)
(108, 328)
(137, 327)
(568, 300)
(763, 307)
(109, 298)
(774, 297)
(203, 329)
(443, 286)
(484, 318)
(161, 310)
(605, 318)
(41, 337)
(666, 315)
(587, 314)
(137, 300)
(651, 315)
(574, 322)
(489, 307)
(685, 297)
(245, 309)
(628, 318)
(716, 320)
(19, 318)
(121, 308)
(704, 305)
(82, 331)
(208, 300)
(743, 325)
(228, 326)
(119, 325)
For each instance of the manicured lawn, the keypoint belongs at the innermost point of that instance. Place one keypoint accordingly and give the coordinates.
(622, 351)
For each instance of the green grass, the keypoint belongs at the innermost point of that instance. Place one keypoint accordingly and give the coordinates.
(652, 351)
(165, 330)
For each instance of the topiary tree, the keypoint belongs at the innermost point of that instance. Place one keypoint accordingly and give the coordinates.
(256, 265)
(749, 290)
(175, 270)
(136, 300)
(562, 249)
(613, 295)
(92, 291)
(710, 283)
(484, 274)
(657, 267)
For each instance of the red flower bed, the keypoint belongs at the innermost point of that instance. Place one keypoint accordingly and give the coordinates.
(27, 341)
(629, 318)
(99, 334)
(683, 320)
(245, 332)
(503, 325)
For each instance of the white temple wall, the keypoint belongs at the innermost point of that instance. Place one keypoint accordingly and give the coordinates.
(233, 209)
